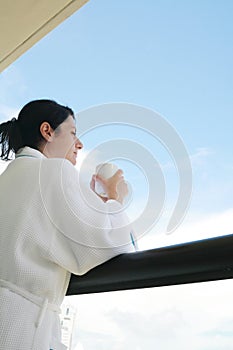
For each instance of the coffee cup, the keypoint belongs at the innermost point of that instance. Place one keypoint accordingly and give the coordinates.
(106, 170)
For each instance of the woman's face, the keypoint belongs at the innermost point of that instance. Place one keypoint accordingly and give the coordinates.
(64, 142)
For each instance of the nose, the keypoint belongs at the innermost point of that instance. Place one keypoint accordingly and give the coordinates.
(78, 144)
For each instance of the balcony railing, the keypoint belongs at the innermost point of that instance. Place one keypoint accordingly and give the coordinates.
(205, 260)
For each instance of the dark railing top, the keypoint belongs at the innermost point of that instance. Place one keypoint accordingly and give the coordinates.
(205, 260)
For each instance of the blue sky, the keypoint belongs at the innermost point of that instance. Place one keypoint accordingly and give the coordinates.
(174, 57)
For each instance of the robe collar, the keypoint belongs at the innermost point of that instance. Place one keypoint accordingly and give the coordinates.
(29, 152)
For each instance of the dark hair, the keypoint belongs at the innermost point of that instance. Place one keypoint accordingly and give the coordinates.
(25, 131)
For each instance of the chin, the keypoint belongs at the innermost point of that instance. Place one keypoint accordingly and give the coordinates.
(72, 160)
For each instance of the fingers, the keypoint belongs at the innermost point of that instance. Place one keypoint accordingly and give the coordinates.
(92, 183)
(99, 178)
(119, 173)
(118, 176)
(115, 186)
(122, 188)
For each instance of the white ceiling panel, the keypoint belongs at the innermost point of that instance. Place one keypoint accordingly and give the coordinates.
(24, 22)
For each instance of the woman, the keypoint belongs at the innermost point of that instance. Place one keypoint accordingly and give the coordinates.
(50, 227)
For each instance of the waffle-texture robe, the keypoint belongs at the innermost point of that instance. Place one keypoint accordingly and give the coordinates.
(50, 227)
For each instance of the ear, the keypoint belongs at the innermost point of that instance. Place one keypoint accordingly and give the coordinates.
(46, 131)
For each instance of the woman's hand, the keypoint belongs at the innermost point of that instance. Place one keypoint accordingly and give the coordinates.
(115, 187)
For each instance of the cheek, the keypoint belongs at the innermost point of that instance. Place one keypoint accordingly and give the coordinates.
(68, 143)
(64, 147)
(71, 141)
(72, 146)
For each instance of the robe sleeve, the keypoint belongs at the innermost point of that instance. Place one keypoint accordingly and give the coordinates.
(86, 231)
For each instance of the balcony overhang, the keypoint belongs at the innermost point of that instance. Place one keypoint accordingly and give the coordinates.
(23, 23)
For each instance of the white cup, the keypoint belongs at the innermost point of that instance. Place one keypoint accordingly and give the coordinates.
(105, 170)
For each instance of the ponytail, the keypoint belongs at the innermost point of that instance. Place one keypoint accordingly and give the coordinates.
(25, 131)
(10, 138)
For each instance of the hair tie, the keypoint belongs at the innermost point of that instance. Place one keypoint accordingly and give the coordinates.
(14, 120)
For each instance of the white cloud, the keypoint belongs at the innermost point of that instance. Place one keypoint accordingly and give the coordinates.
(194, 227)
(7, 112)
(79, 346)
(12, 85)
(197, 159)
(200, 154)
(11, 78)
(178, 317)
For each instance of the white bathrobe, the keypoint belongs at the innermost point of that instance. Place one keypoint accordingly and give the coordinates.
(50, 227)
